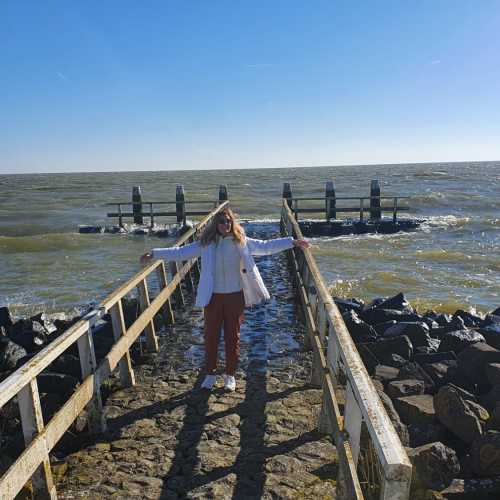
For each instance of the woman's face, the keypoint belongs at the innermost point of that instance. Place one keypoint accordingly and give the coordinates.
(224, 224)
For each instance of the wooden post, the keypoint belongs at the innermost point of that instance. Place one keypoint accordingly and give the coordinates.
(179, 297)
(151, 340)
(88, 365)
(352, 422)
(287, 193)
(137, 204)
(168, 314)
(222, 193)
(375, 212)
(32, 424)
(180, 205)
(127, 377)
(120, 216)
(361, 210)
(330, 203)
(151, 215)
(395, 211)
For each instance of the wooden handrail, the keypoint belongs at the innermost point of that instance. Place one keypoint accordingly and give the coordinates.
(362, 402)
(185, 202)
(322, 198)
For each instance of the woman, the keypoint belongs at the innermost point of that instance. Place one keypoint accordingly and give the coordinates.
(229, 281)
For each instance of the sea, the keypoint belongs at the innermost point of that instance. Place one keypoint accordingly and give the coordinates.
(452, 261)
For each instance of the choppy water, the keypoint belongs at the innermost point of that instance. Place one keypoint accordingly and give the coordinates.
(451, 262)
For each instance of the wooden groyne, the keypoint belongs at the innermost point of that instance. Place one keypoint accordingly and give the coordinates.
(339, 405)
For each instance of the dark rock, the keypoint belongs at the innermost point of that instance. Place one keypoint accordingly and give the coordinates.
(418, 333)
(395, 360)
(496, 312)
(431, 348)
(10, 354)
(426, 433)
(472, 489)
(463, 417)
(493, 423)
(67, 364)
(434, 357)
(492, 371)
(439, 371)
(383, 349)
(491, 333)
(458, 340)
(5, 318)
(458, 378)
(402, 388)
(440, 319)
(397, 302)
(380, 328)
(385, 373)
(415, 371)
(473, 359)
(345, 305)
(359, 330)
(468, 318)
(491, 398)
(418, 409)
(400, 428)
(84, 229)
(376, 316)
(485, 454)
(45, 323)
(56, 383)
(435, 464)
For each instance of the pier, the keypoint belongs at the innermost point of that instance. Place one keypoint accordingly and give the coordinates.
(307, 426)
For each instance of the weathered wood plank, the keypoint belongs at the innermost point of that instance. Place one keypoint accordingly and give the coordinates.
(168, 314)
(352, 422)
(32, 425)
(151, 340)
(127, 377)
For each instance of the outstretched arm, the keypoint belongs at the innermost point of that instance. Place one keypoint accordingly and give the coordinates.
(185, 252)
(268, 247)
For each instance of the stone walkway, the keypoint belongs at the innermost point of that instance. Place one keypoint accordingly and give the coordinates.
(167, 438)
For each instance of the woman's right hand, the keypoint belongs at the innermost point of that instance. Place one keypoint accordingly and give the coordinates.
(146, 258)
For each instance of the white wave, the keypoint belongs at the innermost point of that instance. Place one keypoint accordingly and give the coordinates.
(440, 221)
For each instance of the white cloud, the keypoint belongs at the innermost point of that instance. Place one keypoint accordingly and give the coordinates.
(436, 61)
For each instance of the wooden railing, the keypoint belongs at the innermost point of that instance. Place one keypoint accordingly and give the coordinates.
(337, 365)
(365, 204)
(41, 438)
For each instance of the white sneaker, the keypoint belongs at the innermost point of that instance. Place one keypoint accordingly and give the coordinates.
(208, 382)
(229, 383)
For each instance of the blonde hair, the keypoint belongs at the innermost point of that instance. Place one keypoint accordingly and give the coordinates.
(210, 233)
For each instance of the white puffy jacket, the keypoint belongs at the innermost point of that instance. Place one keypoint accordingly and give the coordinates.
(254, 289)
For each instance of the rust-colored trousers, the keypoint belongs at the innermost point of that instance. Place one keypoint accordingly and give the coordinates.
(223, 309)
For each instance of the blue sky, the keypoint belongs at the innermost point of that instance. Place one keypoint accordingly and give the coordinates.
(127, 85)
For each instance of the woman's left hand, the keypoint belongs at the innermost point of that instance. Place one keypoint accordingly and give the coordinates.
(302, 244)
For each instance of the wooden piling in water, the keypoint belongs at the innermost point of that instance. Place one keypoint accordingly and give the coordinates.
(375, 212)
(136, 205)
(222, 193)
(287, 193)
(330, 202)
(180, 205)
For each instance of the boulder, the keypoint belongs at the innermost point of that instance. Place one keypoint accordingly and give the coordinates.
(402, 388)
(397, 302)
(359, 330)
(435, 465)
(474, 489)
(458, 340)
(473, 359)
(395, 360)
(426, 433)
(438, 372)
(491, 398)
(434, 357)
(469, 319)
(377, 315)
(463, 417)
(485, 454)
(417, 332)
(496, 312)
(383, 349)
(385, 373)
(492, 371)
(5, 318)
(380, 328)
(400, 428)
(415, 371)
(369, 359)
(491, 333)
(348, 304)
(417, 409)
(10, 354)
(440, 319)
